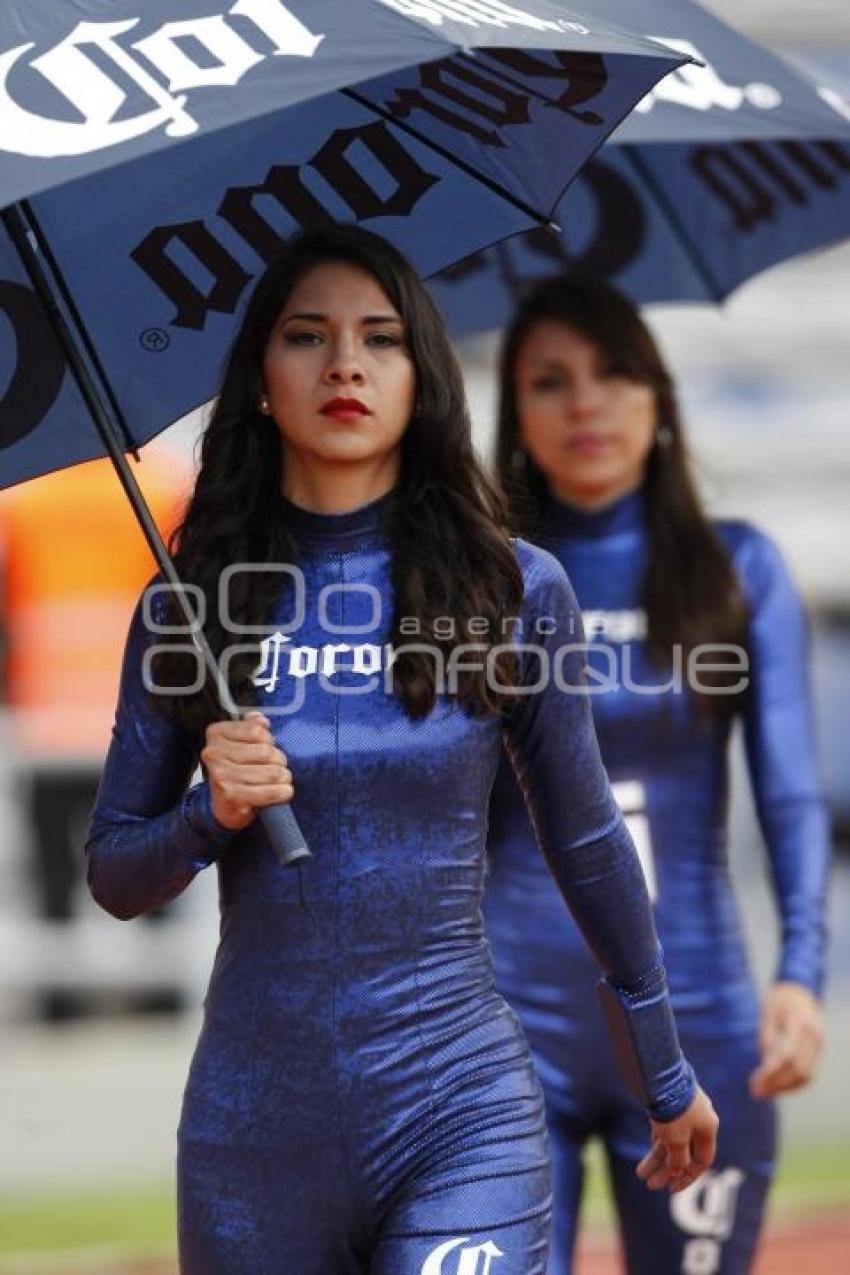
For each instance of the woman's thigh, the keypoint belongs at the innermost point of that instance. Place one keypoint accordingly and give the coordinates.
(244, 1211)
(481, 1226)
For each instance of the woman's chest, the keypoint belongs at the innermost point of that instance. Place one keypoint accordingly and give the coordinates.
(642, 710)
(326, 679)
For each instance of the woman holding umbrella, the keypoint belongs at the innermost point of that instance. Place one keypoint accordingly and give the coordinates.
(360, 1098)
(691, 624)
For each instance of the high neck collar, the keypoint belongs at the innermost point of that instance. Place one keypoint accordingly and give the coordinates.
(622, 517)
(367, 524)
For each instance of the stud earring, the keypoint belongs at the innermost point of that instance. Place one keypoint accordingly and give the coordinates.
(664, 436)
(264, 405)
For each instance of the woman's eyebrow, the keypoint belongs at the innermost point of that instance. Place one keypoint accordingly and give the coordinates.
(310, 316)
(307, 315)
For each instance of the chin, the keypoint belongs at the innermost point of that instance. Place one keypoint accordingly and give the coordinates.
(589, 476)
(348, 451)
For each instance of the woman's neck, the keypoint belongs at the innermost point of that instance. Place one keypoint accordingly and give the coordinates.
(337, 488)
(623, 516)
(590, 500)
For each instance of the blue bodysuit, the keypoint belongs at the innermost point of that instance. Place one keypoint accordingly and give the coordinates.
(360, 1098)
(669, 773)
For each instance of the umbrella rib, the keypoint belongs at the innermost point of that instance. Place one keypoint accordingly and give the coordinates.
(446, 154)
(675, 222)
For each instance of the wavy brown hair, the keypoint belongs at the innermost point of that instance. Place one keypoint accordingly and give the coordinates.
(451, 551)
(690, 592)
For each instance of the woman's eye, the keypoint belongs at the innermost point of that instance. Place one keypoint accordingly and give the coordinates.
(383, 340)
(302, 338)
(547, 383)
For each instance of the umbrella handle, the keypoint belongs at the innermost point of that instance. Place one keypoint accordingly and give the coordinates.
(287, 839)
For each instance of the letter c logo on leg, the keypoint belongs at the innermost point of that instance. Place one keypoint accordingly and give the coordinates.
(469, 1259)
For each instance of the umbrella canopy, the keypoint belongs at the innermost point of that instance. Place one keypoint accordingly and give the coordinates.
(723, 170)
(157, 154)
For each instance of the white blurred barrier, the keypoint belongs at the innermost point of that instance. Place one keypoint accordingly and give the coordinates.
(100, 954)
(93, 952)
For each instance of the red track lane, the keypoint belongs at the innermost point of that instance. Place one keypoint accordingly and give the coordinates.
(818, 1246)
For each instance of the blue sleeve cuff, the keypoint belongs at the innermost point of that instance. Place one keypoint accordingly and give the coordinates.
(209, 835)
(793, 972)
(678, 1095)
(646, 1044)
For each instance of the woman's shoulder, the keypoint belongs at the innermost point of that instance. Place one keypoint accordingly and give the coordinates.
(738, 532)
(538, 565)
(150, 611)
(755, 555)
(544, 577)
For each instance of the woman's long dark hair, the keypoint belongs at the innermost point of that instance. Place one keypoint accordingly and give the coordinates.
(690, 591)
(451, 551)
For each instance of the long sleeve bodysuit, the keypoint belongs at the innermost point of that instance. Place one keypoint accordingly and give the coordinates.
(669, 771)
(361, 1098)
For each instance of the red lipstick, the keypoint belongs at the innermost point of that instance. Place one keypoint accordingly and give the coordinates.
(587, 443)
(345, 409)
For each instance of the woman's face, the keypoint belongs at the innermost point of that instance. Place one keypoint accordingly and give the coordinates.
(588, 428)
(338, 376)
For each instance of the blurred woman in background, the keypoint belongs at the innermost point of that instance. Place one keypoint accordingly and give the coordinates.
(691, 624)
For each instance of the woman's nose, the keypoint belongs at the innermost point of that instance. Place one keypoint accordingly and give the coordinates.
(586, 398)
(343, 365)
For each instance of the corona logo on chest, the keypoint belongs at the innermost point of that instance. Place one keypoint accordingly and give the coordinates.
(92, 67)
(279, 658)
(616, 626)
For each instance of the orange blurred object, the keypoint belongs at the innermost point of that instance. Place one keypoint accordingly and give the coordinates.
(73, 562)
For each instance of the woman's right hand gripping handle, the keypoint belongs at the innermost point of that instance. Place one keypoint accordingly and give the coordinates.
(245, 769)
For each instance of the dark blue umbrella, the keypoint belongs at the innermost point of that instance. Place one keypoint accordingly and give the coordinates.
(723, 170)
(153, 157)
(161, 159)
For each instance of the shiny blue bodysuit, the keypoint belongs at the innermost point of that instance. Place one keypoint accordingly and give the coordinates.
(361, 1099)
(669, 771)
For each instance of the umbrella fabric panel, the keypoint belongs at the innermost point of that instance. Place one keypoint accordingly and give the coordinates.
(527, 120)
(667, 223)
(90, 95)
(540, 24)
(98, 82)
(750, 205)
(35, 390)
(608, 228)
(743, 92)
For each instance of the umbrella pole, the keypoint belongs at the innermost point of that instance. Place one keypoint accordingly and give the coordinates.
(279, 822)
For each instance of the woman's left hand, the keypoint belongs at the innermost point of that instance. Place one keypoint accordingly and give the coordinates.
(682, 1149)
(791, 1038)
